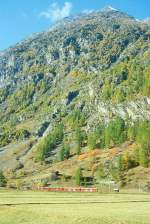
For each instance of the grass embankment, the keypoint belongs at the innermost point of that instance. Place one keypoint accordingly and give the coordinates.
(43, 208)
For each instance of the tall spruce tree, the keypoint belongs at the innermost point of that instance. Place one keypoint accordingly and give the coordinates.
(78, 176)
(143, 141)
(2, 180)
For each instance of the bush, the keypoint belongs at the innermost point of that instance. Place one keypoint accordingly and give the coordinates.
(129, 161)
(100, 172)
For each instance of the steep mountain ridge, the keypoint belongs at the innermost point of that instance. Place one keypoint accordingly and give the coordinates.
(94, 67)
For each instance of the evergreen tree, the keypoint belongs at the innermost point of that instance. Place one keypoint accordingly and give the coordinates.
(66, 151)
(115, 132)
(132, 131)
(120, 164)
(143, 157)
(78, 176)
(78, 149)
(143, 141)
(100, 135)
(79, 137)
(49, 143)
(92, 141)
(127, 162)
(2, 180)
(61, 154)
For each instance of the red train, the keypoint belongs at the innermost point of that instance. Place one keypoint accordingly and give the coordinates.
(67, 189)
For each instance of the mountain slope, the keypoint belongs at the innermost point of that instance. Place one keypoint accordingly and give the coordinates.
(84, 71)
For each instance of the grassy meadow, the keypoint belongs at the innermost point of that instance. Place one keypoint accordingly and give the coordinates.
(17, 207)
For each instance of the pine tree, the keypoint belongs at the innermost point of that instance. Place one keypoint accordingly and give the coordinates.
(61, 154)
(115, 132)
(143, 157)
(2, 180)
(92, 141)
(66, 151)
(126, 161)
(120, 164)
(143, 141)
(49, 143)
(78, 176)
(79, 137)
(78, 149)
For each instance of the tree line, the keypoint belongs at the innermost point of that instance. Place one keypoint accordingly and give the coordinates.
(116, 132)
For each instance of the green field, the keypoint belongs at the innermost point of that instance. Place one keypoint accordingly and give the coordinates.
(17, 207)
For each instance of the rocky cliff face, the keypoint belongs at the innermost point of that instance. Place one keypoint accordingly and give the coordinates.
(97, 63)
